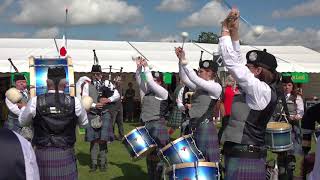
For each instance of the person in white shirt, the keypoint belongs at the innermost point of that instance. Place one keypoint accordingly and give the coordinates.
(12, 122)
(153, 109)
(244, 136)
(18, 160)
(206, 94)
(54, 116)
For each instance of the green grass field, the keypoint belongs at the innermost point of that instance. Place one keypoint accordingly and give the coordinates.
(120, 165)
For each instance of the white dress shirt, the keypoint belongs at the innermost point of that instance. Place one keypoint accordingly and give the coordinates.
(30, 162)
(258, 93)
(150, 84)
(179, 100)
(29, 112)
(193, 81)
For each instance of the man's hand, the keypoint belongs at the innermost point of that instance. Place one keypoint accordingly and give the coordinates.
(21, 104)
(99, 106)
(188, 106)
(104, 100)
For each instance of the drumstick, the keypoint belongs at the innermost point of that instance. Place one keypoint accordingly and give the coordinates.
(138, 51)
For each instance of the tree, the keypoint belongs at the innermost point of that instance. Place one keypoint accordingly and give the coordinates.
(208, 37)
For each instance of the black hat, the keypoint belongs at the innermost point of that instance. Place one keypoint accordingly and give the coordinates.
(286, 79)
(157, 75)
(18, 77)
(210, 64)
(262, 59)
(96, 68)
(56, 73)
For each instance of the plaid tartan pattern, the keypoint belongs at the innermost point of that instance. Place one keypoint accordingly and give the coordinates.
(56, 163)
(245, 169)
(12, 124)
(104, 133)
(175, 118)
(206, 139)
(296, 136)
(158, 131)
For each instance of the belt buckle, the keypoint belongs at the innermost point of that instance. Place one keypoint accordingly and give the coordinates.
(251, 148)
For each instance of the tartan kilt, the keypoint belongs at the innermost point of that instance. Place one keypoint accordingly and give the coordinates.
(175, 118)
(206, 139)
(56, 163)
(104, 133)
(158, 131)
(245, 168)
(296, 136)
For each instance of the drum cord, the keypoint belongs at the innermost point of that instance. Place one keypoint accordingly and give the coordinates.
(196, 164)
(200, 153)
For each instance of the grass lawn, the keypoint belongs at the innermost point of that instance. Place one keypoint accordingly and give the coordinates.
(120, 165)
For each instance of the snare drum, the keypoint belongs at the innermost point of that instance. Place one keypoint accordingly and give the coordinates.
(181, 150)
(194, 171)
(38, 74)
(139, 143)
(278, 136)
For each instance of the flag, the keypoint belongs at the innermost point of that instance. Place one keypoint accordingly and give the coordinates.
(63, 49)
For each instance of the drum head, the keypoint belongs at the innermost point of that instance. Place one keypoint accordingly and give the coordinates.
(278, 126)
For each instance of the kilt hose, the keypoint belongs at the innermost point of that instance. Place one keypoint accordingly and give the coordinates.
(56, 163)
(244, 168)
(206, 139)
(159, 133)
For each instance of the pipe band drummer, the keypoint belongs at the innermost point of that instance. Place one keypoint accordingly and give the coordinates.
(206, 93)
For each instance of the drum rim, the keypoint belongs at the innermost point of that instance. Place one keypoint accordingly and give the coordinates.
(280, 148)
(191, 164)
(131, 132)
(175, 142)
(145, 150)
(289, 127)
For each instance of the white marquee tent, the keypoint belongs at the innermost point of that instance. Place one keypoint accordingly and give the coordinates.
(161, 54)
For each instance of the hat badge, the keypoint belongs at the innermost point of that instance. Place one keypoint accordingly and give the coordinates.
(206, 64)
(156, 74)
(253, 56)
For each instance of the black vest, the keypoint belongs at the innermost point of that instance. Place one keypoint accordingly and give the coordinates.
(247, 126)
(55, 123)
(12, 160)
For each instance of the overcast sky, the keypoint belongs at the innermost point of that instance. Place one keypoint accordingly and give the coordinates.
(286, 22)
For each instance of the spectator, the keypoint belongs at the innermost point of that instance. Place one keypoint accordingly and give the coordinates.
(129, 100)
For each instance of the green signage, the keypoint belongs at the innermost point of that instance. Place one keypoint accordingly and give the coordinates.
(298, 77)
(26, 74)
(167, 78)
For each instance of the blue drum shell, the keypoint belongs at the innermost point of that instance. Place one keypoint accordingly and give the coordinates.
(182, 150)
(139, 143)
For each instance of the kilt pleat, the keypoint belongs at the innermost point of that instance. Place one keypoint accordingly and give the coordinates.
(245, 169)
(56, 163)
(206, 139)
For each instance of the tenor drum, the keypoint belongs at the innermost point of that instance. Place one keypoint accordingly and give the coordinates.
(181, 150)
(194, 171)
(278, 136)
(139, 143)
(38, 74)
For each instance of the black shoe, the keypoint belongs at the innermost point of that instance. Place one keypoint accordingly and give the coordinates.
(93, 168)
(103, 168)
